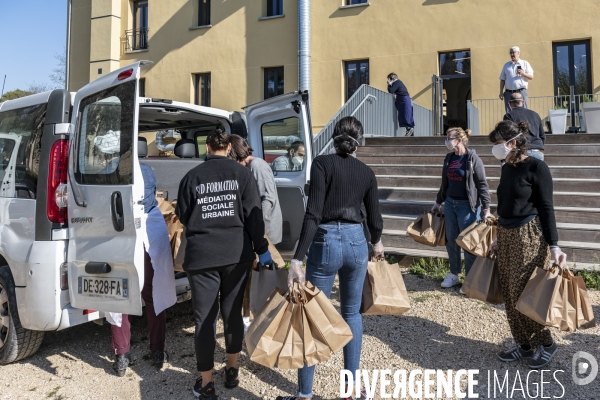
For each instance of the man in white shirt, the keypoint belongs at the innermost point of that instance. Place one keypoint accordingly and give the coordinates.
(515, 77)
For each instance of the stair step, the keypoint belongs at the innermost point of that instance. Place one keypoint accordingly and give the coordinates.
(491, 170)
(551, 160)
(479, 140)
(420, 181)
(482, 150)
(576, 252)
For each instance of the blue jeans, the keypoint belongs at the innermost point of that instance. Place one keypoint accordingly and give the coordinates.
(459, 216)
(338, 248)
(535, 153)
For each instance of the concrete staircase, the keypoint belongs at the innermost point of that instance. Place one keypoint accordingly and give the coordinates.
(409, 175)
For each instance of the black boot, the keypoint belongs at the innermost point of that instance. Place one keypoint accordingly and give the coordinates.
(159, 358)
(122, 361)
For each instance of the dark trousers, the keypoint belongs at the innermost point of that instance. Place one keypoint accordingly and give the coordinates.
(157, 324)
(213, 288)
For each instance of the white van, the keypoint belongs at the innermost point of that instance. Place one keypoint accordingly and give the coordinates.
(70, 210)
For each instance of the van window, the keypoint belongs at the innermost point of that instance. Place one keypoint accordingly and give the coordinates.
(20, 148)
(283, 146)
(200, 136)
(104, 139)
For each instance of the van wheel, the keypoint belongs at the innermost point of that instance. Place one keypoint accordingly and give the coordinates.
(16, 342)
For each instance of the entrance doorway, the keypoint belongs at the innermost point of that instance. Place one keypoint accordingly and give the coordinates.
(455, 70)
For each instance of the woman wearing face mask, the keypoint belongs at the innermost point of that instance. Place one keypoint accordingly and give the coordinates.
(332, 228)
(464, 189)
(527, 237)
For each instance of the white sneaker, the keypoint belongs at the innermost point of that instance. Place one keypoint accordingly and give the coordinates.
(246, 324)
(461, 291)
(451, 280)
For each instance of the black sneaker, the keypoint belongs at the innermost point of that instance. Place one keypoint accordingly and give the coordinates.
(231, 378)
(122, 361)
(205, 393)
(543, 356)
(410, 131)
(515, 353)
(159, 358)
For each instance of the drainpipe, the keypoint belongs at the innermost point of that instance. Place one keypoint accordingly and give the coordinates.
(304, 45)
(68, 47)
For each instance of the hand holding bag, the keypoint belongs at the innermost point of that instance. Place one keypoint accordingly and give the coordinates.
(384, 292)
(483, 281)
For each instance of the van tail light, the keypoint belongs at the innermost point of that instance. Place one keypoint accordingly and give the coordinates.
(125, 74)
(57, 181)
(86, 312)
(64, 276)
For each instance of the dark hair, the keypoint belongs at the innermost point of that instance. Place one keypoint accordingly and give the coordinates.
(240, 149)
(509, 130)
(218, 139)
(347, 133)
(295, 146)
(391, 76)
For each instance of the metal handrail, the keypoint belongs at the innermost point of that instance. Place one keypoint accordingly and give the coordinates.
(136, 39)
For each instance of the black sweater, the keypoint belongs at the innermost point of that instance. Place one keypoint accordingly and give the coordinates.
(526, 190)
(398, 88)
(536, 134)
(339, 185)
(219, 204)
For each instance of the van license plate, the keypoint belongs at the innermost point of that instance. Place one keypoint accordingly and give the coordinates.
(105, 288)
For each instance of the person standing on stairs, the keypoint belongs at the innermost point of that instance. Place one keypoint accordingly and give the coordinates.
(464, 191)
(403, 103)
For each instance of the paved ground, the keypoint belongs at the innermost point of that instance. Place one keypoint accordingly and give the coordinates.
(443, 330)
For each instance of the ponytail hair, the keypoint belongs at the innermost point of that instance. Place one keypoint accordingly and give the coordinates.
(508, 131)
(463, 134)
(218, 139)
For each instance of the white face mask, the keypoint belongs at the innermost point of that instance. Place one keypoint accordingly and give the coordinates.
(297, 160)
(451, 144)
(500, 150)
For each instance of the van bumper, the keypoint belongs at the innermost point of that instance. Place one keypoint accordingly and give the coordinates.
(75, 316)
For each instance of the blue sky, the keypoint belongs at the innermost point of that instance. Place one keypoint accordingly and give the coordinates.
(33, 31)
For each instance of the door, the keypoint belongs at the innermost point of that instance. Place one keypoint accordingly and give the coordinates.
(279, 129)
(105, 253)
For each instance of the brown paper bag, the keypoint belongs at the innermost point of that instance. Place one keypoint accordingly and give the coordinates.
(568, 318)
(422, 230)
(483, 281)
(585, 313)
(315, 347)
(384, 292)
(292, 351)
(542, 299)
(265, 337)
(440, 230)
(324, 318)
(478, 237)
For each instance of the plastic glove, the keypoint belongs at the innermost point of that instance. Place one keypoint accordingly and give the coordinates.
(296, 272)
(436, 208)
(558, 256)
(485, 214)
(378, 250)
(265, 258)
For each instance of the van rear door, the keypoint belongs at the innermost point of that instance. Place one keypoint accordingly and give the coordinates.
(105, 254)
(277, 128)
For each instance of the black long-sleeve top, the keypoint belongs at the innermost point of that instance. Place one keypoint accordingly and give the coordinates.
(219, 204)
(398, 88)
(525, 190)
(339, 185)
(536, 134)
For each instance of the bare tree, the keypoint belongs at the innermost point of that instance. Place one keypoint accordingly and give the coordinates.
(39, 87)
(58, 73)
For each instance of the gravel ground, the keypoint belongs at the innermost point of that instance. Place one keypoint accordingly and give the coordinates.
(443, 330)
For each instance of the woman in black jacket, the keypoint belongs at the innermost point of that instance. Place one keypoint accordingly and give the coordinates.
(527, 237)
(464, 189)
(220, 206)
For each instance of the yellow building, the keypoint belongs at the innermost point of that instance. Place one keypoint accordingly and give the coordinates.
(230, 53)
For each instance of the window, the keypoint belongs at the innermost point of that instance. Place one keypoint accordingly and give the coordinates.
(572, 67)
(202, 89)
(274, 8)
(104, 137)
(273, 82)
(200, 136)
(142, 87)
(357, 73)
(20, 151)
(139, 34)
(204, 12)
(352, 2)
(283, 146)
(455, 64)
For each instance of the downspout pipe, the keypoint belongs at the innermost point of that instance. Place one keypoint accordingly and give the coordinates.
(68, 45)
(304, 56)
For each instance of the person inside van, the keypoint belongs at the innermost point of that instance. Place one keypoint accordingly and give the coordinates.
(219, 204)
(159, 285)
(293, 160)
(333, 236)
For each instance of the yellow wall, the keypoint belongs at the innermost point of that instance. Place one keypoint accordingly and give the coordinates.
(404, 36)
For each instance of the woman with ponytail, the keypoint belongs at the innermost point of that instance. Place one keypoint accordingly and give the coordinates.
(464, 190)
(333, 230)
(527, 237)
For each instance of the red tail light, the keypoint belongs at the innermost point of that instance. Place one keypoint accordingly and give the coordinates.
(86, 312)
(125, 74)
(57, 175)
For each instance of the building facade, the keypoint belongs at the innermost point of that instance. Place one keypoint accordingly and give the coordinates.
(231, 53)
